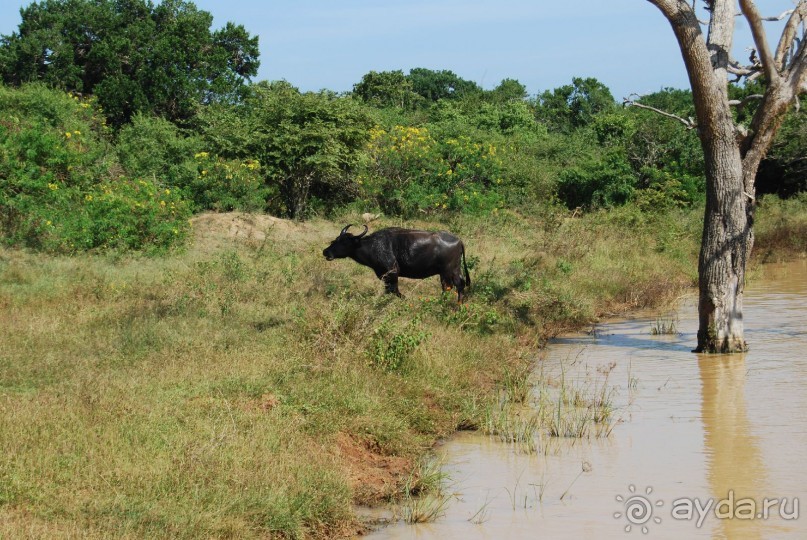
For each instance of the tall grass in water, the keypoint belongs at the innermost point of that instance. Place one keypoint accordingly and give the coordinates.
(425, 496)
(581, 408)
(664, 326)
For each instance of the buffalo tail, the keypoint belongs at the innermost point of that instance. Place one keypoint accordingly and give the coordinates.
(465, 266)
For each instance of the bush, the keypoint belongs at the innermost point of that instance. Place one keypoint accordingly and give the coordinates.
(604, 183)
(227, 184)
(60, 192)
(410, 173)
(152, 147)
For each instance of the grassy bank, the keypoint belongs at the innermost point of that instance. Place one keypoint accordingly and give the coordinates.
(247, 387)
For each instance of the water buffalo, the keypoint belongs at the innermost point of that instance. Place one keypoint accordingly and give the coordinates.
(396, 252)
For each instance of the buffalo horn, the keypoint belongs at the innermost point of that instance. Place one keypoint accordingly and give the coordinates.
(345, 229)
(362, 234)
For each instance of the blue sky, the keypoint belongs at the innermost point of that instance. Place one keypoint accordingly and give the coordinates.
(317, 44)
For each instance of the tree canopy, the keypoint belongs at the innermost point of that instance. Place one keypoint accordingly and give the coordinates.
(132, 55)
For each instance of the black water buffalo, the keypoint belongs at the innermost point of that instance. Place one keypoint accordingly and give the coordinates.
(396, 252)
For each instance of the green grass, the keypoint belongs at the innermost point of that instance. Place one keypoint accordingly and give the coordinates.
(248, 388)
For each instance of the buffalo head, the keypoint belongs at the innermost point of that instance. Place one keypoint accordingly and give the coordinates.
(344, 245)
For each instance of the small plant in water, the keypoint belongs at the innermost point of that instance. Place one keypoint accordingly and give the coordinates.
(425, 499)
(584, 468)
(665, 326)
(482, 515)
(517, 427)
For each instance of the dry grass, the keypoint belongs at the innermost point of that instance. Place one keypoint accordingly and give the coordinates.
(781, 229)
(235, 390)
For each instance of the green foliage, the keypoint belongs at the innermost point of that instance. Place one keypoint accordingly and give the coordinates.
(433, 85)
(387, 89)
(391, 347)
(410, 173)
(307, 143)
(509, 90)
(573, 106)
(602, 183)
(134, 56)
(784, 170)
(227, 184)
(58, 189)
(454, 118)
(153, 147)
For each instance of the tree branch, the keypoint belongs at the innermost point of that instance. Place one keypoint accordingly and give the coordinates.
(789, 35)
(779, 17)
(745, 101)
(754, 19)
(751, 71)
(689, 123)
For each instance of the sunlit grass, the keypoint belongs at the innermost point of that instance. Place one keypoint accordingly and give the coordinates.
(238, 389)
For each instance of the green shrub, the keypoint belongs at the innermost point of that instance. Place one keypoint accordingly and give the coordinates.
(61, 192)
(391, 347)
(412, 173)
(152, 147)
(227, 184)
(603, 183)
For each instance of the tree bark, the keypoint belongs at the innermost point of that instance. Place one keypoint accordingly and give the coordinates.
(725, 247)
(732, 153)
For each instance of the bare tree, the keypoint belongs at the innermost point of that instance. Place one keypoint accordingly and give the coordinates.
(733, 151)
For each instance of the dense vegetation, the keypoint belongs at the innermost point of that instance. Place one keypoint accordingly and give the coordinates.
(103, 149)
(238, 388)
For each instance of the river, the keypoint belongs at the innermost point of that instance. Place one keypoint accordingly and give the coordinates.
(700, 446)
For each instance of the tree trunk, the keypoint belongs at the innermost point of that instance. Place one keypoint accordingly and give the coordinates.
(726, 244)
(732, 153)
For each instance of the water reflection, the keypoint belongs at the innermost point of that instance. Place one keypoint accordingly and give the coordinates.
(734, 460)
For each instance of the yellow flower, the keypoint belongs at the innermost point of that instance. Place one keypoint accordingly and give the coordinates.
(67, 134)
(168, 192)
(53, 187)
(76, 132)
(88, 198)
(162, 203)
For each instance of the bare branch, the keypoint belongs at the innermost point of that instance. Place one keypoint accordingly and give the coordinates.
(740, 103)
(779, 17)
(754, 19)
(740, 71)
(689, 123)
(789, 35)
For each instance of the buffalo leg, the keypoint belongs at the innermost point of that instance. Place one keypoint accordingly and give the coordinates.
(460, 290)
(451, 281)
(390, 280)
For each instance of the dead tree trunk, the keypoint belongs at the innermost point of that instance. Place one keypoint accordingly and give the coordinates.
(733, 151)
(725, 246)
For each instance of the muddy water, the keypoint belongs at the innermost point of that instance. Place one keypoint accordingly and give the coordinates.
(730, 431)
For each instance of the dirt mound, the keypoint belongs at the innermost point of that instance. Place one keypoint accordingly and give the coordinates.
(242, 226)
(374, 477)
